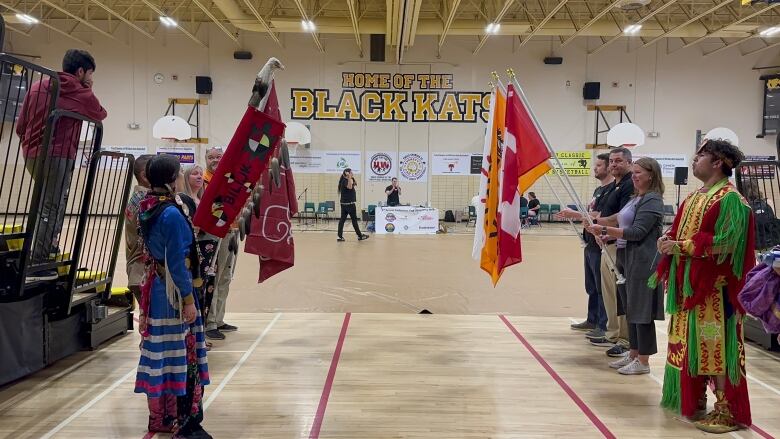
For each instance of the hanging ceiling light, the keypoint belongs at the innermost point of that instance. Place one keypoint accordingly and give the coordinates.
(168, 21)
(492, 28)
(633, 29)
(308, 25)
(29, 19)
(770, 31)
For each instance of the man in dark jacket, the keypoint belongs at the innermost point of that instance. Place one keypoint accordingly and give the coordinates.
(75, 94)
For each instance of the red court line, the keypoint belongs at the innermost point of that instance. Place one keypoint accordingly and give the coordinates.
(574, 397)
(761, 432)
(317, 424)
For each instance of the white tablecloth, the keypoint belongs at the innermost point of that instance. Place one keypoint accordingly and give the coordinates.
(407, 220)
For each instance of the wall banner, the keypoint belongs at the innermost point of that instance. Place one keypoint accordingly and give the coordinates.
(451, 163)
(381, 165)
(335, 162)
(413, 167)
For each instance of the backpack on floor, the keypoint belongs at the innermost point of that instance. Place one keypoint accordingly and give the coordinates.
(449, 217)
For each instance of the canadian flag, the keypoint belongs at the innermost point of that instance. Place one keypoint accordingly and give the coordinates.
(509, 208)
(525, 158)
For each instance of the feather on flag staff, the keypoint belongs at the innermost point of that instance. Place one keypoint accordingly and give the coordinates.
(247, 156)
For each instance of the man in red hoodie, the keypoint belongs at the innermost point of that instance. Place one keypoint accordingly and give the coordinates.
(75, 95)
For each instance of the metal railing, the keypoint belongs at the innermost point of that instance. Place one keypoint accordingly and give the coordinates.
(20, 190)
(62, 198)
(759, 183)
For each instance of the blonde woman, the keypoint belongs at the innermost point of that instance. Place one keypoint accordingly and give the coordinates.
(193, 183)
(638, 225)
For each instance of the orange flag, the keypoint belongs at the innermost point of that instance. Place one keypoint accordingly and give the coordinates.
(489, 259)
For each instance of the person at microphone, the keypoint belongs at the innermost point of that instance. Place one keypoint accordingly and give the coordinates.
(393, 193)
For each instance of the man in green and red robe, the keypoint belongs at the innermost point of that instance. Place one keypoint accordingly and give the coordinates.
(707, 254)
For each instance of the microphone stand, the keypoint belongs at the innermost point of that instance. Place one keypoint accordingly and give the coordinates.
(305, 195)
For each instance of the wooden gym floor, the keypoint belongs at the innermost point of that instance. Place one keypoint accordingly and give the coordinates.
(489, 364)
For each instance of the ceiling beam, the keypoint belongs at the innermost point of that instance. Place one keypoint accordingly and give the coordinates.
(351, 4)
(215, 20)
(735, 43)
(767, 47)
(305, 17)
(123, 19)
(593, 20)
(47, 25)
(262, 21)
(183, 30)
(707, 30)
(498, 19)
(689, 21)
(641, 20)
(79, 19)
(448, 22)
(19, 31)
(541, 24)
(741, 20)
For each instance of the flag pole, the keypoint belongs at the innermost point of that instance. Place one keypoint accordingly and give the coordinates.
(573, 227)
(565, 178)
(576, 231)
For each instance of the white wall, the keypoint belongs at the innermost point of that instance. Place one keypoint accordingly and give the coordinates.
(673, 94)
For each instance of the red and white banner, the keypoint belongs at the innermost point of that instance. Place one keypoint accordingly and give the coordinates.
(247, 156)
(270, 236)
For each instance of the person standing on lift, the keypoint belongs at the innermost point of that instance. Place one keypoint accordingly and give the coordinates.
(347, 185)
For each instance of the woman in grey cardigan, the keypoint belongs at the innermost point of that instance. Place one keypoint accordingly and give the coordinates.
(640, 224)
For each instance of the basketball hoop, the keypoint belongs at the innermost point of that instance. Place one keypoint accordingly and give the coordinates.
(171, 128)
(722, 133)
(627, 135)
(296, 134)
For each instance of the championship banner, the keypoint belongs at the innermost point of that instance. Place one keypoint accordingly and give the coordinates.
(185, 153)
(575, 163)
(413, 167)
(381, 166)
(83, 158)
(667, 162)
(307, 161)
(245, 159)
(451, 163)
(335, 162)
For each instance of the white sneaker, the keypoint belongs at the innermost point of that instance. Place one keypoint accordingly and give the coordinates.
(634, 368)
(624, 361)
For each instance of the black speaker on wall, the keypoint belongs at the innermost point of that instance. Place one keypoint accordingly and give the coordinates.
(378, 47)
(591, 91)
(203, 85)
(553, 60)
(681, 175)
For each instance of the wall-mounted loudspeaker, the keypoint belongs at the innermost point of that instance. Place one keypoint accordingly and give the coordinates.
(203, 85)
(242, 54)
(591, 91)
(553, 60)
(378, 47)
